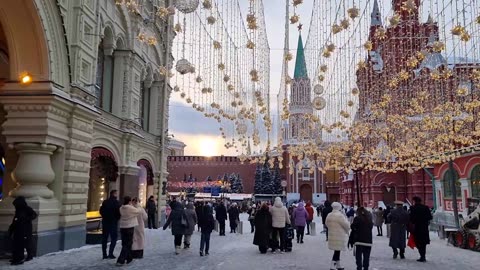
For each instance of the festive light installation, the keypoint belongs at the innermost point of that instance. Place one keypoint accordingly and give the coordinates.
(230, 80)
(399, 96)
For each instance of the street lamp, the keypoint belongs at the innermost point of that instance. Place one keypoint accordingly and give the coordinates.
(348, 160)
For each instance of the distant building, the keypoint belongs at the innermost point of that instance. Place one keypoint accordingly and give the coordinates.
(176, 148)
(194, 169)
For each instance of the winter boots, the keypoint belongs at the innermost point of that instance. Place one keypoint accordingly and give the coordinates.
(177, 250)
(335, 265)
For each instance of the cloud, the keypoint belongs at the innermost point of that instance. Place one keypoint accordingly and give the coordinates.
(204, 145)
(184, 119)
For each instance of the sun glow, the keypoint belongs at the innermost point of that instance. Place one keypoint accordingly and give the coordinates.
(208, 147)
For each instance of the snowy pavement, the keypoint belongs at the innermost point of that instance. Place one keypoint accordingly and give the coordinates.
(236, 251)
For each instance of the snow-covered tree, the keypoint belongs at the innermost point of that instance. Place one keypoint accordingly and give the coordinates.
(258, 186)
(277, 179)
(235, 183)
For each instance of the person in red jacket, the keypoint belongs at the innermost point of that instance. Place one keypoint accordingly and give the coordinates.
(310, 211)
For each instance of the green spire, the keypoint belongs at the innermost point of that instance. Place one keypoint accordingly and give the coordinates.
(300, 65)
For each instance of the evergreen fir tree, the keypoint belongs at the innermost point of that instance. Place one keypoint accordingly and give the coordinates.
(277, 179)
(267, 187)
(258, 186)
(236, 184)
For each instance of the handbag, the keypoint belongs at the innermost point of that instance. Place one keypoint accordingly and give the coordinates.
(411, 241)
(184, 220)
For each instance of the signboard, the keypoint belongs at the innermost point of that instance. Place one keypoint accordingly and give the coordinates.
(215, 191)
(449, 205)
(319, 198)
(284, 183)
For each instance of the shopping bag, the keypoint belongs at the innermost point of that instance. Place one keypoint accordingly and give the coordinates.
(411, 241)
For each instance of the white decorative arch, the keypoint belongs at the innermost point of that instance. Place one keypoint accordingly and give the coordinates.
(26, 40)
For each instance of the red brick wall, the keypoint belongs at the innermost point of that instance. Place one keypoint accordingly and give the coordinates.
(202, 167)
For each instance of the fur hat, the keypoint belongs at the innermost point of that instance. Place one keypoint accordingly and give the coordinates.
(336, 206)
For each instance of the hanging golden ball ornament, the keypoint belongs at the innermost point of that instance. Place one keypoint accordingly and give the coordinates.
(465, 36)
(318, 89)
(326, 53)
(221, 66)
(438, 46)
(183, 66)
(186, 6)
(368, 45)
(457, 30)
(395, 20)
(288, 57)
(353, 12)
(381, 33)
(336, 29)
(211, 20)
(189, 100)
(207, 4)
(226, 78)
(409, 6)
(323, 68)
(350, 103)
(345, 23)
(178, 28)
(355, 91)
(230, 87)
(217, 45)
(297, 2)
(331, 47)
(319, 103)
(294, 19)
(198, 79)
(361, 64)
(182, 95)
(250, 45)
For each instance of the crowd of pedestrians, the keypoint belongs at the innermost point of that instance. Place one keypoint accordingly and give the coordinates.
(273, 226)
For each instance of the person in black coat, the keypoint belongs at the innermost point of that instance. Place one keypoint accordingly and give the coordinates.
(21, 230)
(263, 228)
(420, 217)
(398, 234)
(199, 212)
(151, 211)
(221, 216)
(110, 212)
(234, 217)
(327, 209)
(361, 237)
(206, 223)
(179, 225)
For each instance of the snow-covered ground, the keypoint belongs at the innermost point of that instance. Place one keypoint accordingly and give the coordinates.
(236, 251)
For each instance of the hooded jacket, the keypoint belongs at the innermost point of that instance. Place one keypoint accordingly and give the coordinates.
(279, 214)
(192, 219)
(128, 216)
(300, 216)
(21, 226)
(310, 211)
(338, 228)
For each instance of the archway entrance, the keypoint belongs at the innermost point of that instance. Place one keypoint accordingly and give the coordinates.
(103, 171)
(389, 195)
(306, 192)
(145, 180)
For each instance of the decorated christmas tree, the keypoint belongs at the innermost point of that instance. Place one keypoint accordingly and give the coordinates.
(258, 188)
(267, 183)
(277, 179)
(235, 183)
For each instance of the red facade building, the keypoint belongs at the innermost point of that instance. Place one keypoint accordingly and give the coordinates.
(388, 57)
(199, 169)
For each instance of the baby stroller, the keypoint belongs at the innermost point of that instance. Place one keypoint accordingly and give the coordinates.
(290, 234)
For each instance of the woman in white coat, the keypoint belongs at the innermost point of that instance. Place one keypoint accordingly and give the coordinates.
(139, 231)
(338, 228)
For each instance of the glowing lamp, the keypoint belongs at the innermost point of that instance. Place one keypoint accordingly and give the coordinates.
(25, 79)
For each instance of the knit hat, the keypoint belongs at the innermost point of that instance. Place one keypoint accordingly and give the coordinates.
(336, 206)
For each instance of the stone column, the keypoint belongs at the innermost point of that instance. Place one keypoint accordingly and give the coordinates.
(121, 75)
(155, 107)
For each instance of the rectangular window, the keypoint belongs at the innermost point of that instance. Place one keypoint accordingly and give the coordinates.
(306, 173)
(87, 34)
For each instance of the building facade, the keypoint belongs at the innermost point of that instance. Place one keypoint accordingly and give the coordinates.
(83, 110)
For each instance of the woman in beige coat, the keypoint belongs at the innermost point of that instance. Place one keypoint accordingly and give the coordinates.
(139, 231)
(338, 228)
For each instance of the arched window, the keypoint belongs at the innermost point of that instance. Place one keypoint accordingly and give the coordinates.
(145, 106)
(104, 75)
(475, 182)
(447, 188)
